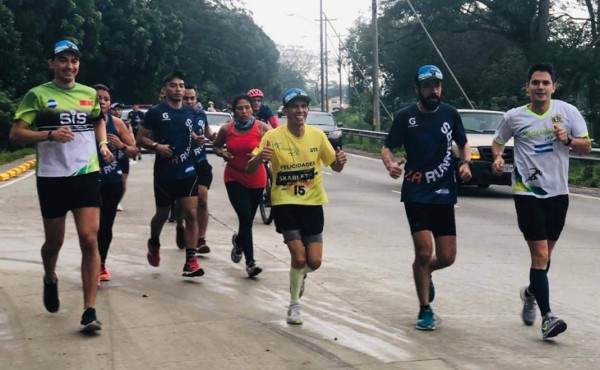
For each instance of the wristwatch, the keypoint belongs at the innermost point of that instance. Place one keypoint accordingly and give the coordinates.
(50, 135)
(124, 148)
(461, 162)
(569, 140)
(154, 145)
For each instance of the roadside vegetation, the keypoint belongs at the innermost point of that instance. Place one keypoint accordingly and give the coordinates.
(7, 157)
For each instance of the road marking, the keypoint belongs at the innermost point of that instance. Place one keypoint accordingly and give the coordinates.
(17, 180)
(396, 191)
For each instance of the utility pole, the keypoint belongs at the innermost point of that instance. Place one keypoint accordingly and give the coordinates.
(326, 69)
(340, 67)
(322, 64)
(376, 123)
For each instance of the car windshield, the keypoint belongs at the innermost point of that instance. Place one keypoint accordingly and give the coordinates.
(320, 120)
(482, 122)
(217, 119)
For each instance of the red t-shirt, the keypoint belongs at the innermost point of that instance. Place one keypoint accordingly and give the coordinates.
(241, 146)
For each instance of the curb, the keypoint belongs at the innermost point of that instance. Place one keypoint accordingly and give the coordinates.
(16, 171)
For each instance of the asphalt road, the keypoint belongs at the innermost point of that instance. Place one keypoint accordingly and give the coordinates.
(360, 307)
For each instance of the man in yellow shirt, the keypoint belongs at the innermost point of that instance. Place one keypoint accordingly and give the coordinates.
(296, 151)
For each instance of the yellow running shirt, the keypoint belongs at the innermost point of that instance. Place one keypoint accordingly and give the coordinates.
(296, 165)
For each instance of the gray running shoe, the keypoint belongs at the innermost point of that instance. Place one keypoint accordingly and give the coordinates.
(253, 270)
(293, 315)
(552, 326)
(89, 322)
(529, 308)
(236, 252)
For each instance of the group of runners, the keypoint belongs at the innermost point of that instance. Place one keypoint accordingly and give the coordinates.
(79, 145)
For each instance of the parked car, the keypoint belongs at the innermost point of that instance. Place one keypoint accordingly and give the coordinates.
(326, 122)
(480, 126)
(215, 121)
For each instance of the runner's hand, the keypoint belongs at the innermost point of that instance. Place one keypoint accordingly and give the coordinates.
(498, 165)
(340, 156)
(200, 140)
(464, 172)
(63, 135)
(396, 168)
(114, 140)
(561, 133)
(164, 150)
(267, 152)
(107, 156)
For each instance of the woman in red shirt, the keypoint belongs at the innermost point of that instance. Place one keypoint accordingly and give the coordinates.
(240, 137)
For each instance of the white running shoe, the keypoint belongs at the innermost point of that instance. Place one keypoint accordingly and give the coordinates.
(294, 317)
(119, 207)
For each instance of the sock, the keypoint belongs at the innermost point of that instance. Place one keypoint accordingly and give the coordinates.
(538, 284)
(296, 277)
(424, 308)
(306, 270)
(548, 265)
(190, 253)
(154, 240)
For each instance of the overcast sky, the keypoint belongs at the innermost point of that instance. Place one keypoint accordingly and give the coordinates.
(295, 23)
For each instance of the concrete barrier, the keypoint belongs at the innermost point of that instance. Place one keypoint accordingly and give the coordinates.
(16, 171)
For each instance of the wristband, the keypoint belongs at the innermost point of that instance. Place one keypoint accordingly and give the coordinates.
(569, 140)
(103, 142)
(124, 148)
(50, 135)
(461, 162)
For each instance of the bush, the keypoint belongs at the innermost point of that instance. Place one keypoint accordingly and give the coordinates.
(7, 114)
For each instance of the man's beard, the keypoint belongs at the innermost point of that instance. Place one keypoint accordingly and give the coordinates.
(431, 103)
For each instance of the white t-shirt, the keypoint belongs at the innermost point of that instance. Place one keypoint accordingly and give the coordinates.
(541, 160)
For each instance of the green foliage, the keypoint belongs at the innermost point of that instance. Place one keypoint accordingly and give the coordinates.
(7, 157)
(7, 112)
(584, 173)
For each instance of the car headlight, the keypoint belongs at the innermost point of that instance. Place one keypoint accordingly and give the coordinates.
(335, 134)
(475, 154)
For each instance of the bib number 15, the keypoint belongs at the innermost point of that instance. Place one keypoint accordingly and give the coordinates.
(299, 190)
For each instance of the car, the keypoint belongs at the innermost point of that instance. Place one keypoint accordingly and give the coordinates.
(326, 122)
(215, 121)
(480, 126)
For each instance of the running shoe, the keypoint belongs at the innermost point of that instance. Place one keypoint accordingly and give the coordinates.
(180, 236)
(192, 268)
(431, 290)
(426, 320)
(293, 315)
(552, 326)
(153, 253)
(104, 273)
(236, 253)
(139, 157)
(253, 270)
(51, 300)
(119, 207)
(529, 307)
(201, 247)
(89, 322)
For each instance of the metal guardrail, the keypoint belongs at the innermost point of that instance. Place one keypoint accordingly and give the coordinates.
(593, 156)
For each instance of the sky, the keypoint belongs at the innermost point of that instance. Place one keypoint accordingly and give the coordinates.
(295, 23)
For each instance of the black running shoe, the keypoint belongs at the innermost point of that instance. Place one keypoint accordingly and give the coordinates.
(253, 270)
(89, 322)
(552, 326)
(51, 300)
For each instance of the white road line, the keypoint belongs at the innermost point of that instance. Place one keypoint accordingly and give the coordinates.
(12, 182)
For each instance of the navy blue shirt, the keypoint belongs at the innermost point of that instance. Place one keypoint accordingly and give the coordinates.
(111, 172)
(173, 127)
(264, 113)
(200, 129)
(429, 172)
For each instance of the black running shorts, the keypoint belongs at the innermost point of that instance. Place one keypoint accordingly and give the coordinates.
(59, 195)
(124, 164)
(437, 218)
(308, 219)
(167, 191)
(204, 173)
(541, 218)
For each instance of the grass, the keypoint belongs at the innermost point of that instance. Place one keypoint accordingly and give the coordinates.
(7, 157)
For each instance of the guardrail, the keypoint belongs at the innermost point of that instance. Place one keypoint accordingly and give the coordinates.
(593, 156)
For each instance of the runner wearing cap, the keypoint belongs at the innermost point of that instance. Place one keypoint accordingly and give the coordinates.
(426, 131)
(296, 151)
(70, 127)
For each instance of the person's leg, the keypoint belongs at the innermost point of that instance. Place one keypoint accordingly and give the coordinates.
(423, 245)
(202, 212)
(188, 207)
(240, 199)
(158, 221)
(54, 231)
(87, 220)
(538, 277)
(111, 196)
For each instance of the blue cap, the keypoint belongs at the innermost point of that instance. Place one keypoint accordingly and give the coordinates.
(429, 72)
(66, 46)
(294, 93)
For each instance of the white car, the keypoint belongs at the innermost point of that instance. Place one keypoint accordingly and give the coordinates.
(215, 121)
(480, 126)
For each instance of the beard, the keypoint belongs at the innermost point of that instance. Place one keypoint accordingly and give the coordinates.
(431, 102)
